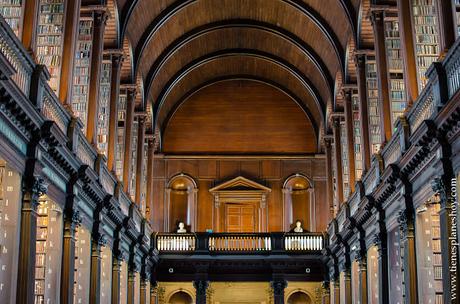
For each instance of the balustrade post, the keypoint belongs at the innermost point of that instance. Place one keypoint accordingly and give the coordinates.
(201, 287)
(278, 286)
(33, 187)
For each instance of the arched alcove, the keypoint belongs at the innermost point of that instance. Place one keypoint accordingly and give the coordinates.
(180, 297)
(181, 198)
(298, 202)
(299, 297)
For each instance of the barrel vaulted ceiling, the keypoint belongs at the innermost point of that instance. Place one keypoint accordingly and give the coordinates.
(178, 47)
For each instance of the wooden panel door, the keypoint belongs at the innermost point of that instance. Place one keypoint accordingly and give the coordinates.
(240, 217)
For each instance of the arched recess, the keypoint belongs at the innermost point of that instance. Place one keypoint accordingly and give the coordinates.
(299, 202)
(180, 297)
(299, 296)
(181, 202)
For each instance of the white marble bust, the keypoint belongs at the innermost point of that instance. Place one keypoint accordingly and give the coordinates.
(298, 227)
(181, 228)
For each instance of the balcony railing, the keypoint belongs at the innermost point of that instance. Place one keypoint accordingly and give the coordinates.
(234, 243)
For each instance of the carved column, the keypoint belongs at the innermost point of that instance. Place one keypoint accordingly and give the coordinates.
(278, 286)
(201, 287)
(149, 191)
(348, 109)
(447, 25)
(381, 243)
(153, 292)
(72, 221)
(97, 241)
(378, 22)
(360, 258)
(131, 283)
(338, 161)
(33, 187)
(100, 19)
(117, 259)
(143, 290)
(408, 50)
(140, 157)
(72, 16)
(131, 100)
(117, 60)
(326, 294)
(407, 230)
(329, 180)
(335, 295)
(363, 110)
(347, 286)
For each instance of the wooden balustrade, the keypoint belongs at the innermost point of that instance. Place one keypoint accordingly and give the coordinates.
(53, 110)
(239, 243)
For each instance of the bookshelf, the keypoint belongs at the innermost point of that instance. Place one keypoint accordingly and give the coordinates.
(12, 11)
(395, 69)
(40, 258)
(357, 135)
(457, 15)
(373, 104)
(81, 72)
(132, 187)
(424, 18)
(122, 100)
(437, 255)
(104, 107)
(345, 165)
(50, 32)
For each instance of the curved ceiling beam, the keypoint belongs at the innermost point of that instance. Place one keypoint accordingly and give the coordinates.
(232, 53)
(351, 14)
(171, 10)
(269, 82)
(251, 24)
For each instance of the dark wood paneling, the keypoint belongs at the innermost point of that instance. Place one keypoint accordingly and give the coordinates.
(271, 169)
(239, 117)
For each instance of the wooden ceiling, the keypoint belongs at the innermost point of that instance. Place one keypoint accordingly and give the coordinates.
(178, 47)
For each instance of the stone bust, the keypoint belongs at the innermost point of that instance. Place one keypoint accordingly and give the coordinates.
(181, 228)
(298, 227)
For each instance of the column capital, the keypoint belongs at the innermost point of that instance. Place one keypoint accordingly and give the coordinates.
(35, 187)
(75, 219)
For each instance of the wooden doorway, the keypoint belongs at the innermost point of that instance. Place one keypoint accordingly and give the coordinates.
(240, 217)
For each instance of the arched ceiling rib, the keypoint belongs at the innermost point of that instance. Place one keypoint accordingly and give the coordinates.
(236, 64)
(178, 46)
(232, 37)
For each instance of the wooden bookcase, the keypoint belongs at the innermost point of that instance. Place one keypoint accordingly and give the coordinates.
(40, 258)
(50, 32)
(82, 66)
(104, 107)
(426, 36)
(345, 162)
(12, 11)
(395, 69)
(122, 100)
(373, 104)
(357, 141)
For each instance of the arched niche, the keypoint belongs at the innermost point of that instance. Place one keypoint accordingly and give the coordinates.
(299, 297)
(181, 198)
(299, 202)
(180, 297)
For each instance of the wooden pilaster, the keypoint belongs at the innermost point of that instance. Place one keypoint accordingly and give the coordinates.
(72, 16)
(447, 25)
(149, 194)
(117, 61)
(407, 233)
(201, 286)
(278, 286)
(329, 181)
(408, 50)
(140, 157)
(350, 137)
(378, 22)
(338, 161)
(99, 21)
(29, 25)
(97, 241)
(131, 284)
(116, 281)
(131, 100)
(363, 109)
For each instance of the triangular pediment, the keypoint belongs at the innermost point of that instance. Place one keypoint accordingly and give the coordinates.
(240, 183)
